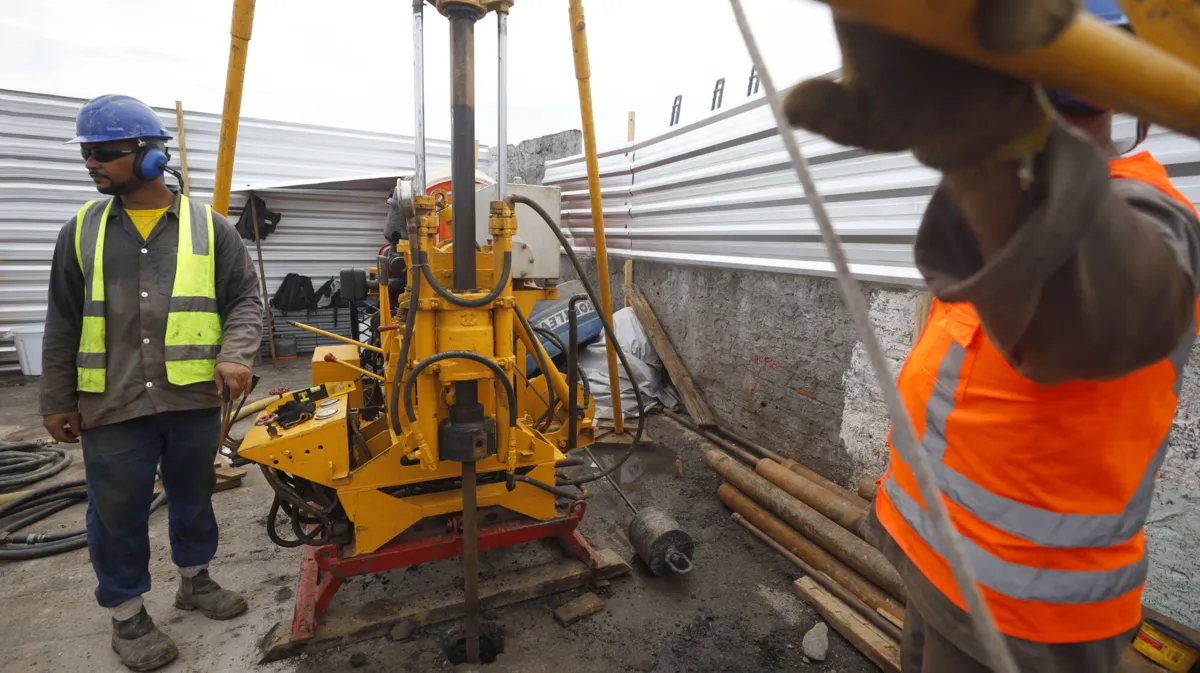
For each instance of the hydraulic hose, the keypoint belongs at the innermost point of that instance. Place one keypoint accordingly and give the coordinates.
(410, 323)
(35, 506)
(29, 462)
(560, 492)
(609, 333)
(460, 355)
(460, 301)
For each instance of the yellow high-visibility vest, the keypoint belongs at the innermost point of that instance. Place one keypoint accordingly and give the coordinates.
(193, 337)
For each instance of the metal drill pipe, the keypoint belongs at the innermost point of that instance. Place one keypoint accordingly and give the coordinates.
(687, 425)
(841, 593)
(836, 509)
(462, 146)
(904, 437)
(419, 95)
(757, 448)
(583, 74)
(809, 551)
(502, 101)
(235, 76)
(470, 521)
(335, 337)
(844, 545)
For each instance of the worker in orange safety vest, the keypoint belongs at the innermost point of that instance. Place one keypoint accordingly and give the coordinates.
(1046, 380)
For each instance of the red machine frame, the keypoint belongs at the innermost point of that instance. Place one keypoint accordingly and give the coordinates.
(322, 572)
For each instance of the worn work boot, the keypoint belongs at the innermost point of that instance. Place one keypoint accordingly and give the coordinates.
(203, 594)
(139, 643)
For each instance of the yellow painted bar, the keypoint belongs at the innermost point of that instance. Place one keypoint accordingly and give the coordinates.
(335, 337)
(1098, 62)
(1171, 25)
(239, 44)
(583, 74)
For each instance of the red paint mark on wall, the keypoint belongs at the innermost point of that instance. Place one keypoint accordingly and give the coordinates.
(805, 393)
(765, 361)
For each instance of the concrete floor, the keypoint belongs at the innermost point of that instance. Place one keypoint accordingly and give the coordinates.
(734, 612)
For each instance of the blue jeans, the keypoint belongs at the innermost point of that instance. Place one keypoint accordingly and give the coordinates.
(120, 462)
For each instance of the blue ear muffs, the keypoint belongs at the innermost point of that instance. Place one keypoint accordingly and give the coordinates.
(150, 162)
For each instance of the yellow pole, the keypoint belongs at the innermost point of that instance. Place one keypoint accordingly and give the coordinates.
(1171, 25)
(1098, 62)
(583, 73)
(239, 44)
(335, 337)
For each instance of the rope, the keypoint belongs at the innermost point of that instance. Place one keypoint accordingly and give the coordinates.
(904, 437)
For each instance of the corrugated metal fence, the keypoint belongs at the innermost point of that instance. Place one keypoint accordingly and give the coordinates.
(43, 182)
(721, 192)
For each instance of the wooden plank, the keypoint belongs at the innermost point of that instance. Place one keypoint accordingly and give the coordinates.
(629, 272)
(376, 618)
(924, 306)
(891, 618)
(693, 401)
(881, 650)
(585, 605)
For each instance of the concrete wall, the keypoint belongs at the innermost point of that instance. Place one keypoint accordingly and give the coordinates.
(777, 358)
(527, 159)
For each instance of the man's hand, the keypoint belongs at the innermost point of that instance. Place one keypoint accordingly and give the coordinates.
(236, 376)
(897, 95)
(64, 427)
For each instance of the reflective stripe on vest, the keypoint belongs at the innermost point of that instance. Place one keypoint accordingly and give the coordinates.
(1049, 487)
(193, 334)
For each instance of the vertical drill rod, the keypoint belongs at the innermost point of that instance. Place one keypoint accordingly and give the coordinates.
(502, 101)
(470, 561)
(419, 95)
(462, 187)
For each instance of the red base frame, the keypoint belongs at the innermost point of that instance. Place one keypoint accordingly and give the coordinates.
(322, 572)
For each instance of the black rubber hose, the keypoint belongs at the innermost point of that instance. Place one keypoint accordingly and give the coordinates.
(29, 462)
(608, 331)
(410, 322)
(549, 334)
(460, 355)
(560, 492)
(36, 506)
(459, 301)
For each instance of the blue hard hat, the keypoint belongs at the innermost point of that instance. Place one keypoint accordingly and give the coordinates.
(114, 117)
(1108, 11)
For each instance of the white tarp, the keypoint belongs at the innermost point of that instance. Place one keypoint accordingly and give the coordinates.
(646, 365)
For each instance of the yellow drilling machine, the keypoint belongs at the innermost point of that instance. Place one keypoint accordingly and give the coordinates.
(437, 443)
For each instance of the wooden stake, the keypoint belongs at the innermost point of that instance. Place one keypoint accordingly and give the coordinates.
(629, 272)
(881, 650)
(183, 167)
(924, 306)
(631, 125)
(702, 414)
(262, 276)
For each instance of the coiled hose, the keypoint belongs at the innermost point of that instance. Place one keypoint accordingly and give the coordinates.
(29, 462)
(37, 505)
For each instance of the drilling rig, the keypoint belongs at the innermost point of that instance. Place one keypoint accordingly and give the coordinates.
(444, 444)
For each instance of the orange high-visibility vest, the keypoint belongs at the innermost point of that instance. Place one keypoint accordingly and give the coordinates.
(1049, 486)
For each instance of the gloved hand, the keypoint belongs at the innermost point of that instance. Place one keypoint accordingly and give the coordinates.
(896, 95)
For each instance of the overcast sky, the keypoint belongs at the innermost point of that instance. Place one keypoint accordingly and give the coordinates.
(348, 63)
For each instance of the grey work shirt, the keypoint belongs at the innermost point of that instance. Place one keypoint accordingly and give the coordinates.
(139, 276)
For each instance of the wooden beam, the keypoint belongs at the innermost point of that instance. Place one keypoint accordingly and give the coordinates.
(376, 618)
(702, 414)
(183, 166)
(924, 306)
(881, 650)
(632, 118)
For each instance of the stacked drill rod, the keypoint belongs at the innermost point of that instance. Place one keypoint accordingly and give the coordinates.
(811, 521)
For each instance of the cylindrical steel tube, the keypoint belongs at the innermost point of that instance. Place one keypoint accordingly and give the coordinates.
(688, 425)
(867, 488)
(835, 509)
(816, 478)
(462, 146)
(809, 551)
(843, 544)
(753, 446)
(470, 561)
(502, 101)
(841, 593)
(419, 95)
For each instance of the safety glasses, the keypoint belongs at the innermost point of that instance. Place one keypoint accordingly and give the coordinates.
(105, 154)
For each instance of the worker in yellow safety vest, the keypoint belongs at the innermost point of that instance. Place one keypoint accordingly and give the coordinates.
(154, 312)
(1045, 383)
